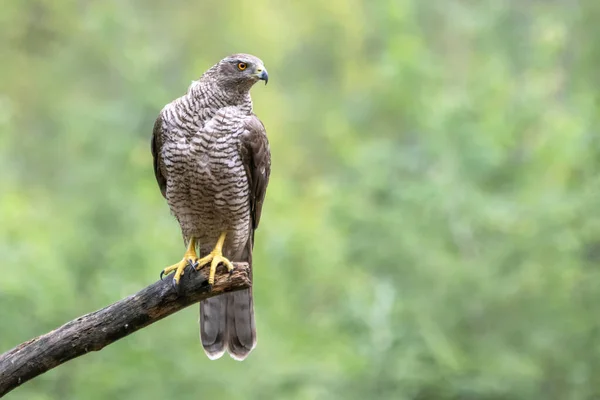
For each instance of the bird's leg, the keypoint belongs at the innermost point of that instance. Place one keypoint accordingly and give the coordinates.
(189, 257)
(214, 258)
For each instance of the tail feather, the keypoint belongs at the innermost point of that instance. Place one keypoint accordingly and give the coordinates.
(227, 320)
(241, 331)
(213, 326)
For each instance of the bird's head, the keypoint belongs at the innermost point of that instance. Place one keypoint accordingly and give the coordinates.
(240, 72)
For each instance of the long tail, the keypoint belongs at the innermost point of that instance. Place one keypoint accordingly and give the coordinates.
(227, 321)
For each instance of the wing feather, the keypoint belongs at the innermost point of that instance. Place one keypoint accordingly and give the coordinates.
(155, 147)
(256, 157)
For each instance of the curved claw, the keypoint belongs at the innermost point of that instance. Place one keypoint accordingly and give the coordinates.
(161, 274)
(192, 265)
(231, 271)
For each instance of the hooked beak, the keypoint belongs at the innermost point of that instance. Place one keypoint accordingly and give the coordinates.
(261, 74)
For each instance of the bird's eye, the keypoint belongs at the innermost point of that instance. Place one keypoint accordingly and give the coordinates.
(242, 66)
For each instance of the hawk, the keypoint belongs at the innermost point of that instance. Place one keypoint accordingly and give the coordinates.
(212, 163)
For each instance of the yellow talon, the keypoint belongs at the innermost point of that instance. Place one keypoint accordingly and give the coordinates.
(215, 258)
(189, 257)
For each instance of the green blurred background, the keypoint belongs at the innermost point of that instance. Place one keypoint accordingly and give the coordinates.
(431, 229)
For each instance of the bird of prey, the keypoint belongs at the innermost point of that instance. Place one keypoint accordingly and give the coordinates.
(212, 162)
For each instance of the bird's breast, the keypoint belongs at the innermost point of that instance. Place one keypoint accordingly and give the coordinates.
(207, 187)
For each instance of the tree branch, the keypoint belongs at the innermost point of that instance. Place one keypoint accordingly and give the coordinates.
(94, 331)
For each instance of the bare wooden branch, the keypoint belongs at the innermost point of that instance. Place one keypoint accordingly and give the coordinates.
(94, 331)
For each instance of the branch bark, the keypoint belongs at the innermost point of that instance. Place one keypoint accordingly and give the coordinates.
(94, 331)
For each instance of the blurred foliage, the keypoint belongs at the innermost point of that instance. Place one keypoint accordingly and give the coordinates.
(431, 229)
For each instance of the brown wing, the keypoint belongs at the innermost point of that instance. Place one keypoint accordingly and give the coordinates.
(155, 147)
(256, 157)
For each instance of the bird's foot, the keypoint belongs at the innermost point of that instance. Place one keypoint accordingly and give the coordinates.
(215, 258)
(189, 258)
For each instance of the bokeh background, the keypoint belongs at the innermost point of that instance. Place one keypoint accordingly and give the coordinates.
(432, 225)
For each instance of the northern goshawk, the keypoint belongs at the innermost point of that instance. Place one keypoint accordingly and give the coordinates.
(212, 163)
